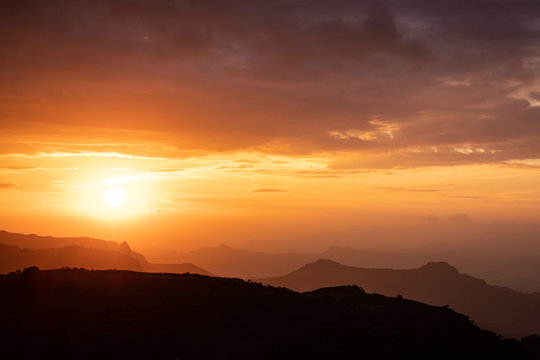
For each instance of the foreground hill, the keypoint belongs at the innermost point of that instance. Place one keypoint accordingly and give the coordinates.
(121, 314)
(18, 251)
(503, 309)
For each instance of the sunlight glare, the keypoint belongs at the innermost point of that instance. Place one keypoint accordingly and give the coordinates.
(115, 197)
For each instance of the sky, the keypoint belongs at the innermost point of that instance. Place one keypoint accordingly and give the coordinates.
(265, 123)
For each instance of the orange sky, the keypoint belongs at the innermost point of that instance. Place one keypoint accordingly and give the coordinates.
(264, 123)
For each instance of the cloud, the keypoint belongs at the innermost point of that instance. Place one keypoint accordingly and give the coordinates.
(403, 189)
(168, 170)
(535, 95)
(390, 80)
(247, 161)
(268, 190)
(8, 186)
(459, 219)
(235, 167)
(431, 219)
(20, 169)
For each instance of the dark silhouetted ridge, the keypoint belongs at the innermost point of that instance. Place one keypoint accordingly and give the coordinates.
(79, 314)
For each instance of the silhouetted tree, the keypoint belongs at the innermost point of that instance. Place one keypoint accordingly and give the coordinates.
(30, 270)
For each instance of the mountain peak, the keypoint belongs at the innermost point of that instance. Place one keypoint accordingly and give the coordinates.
(325, 262)
(440, 267)
(321, 265)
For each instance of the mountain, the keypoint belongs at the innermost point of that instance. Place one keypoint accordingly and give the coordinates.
(518, 271)
(177, 269)
(357, 257)
(18, 251)
(13, 258)
(36, 242)
(121, 314)
(521, 272)
(227, 261)
(436, 283)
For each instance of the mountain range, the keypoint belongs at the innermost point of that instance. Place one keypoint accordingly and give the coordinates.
(437, 283)
(121, 314)
(18, 251)
(500, 309)
(518, 271)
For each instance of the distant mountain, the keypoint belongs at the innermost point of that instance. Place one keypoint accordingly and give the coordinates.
(436, 283)
(119, 314)
(227, 261)
(13, 258)
(36, 242)
(518, 271)
(18, 251)
(521, 272)
(177, 269)
(357, 257)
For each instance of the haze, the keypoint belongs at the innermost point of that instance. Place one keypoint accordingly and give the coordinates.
(272, 125)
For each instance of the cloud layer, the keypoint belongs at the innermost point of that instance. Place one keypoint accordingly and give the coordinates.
(383, 83)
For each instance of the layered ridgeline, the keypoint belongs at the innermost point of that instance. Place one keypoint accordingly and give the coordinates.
(120, 314)
(518, 271)
(18, 251)
(502, 309)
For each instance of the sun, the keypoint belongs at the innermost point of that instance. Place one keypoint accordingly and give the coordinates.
(116, 199)
(115, 196)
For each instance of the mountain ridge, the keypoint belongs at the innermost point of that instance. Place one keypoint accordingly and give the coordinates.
(154, 315)
(435, 283)
(18, 251)
(518, 272)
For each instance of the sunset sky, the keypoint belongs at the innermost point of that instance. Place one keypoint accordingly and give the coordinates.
(262, 123)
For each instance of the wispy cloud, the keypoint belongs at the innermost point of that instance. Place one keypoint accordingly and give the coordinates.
(398, 189)
(92, 154)
(266, 190)
(247, 161)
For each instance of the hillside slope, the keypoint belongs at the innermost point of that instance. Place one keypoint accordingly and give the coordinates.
(503, 309)
(120, 314)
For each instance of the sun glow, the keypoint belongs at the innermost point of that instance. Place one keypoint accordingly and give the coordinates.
(115, 196)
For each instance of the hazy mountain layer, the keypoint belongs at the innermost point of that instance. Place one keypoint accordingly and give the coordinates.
(503, 309)
(520, 272)
(18, 251)
(36, 242)
(13, 258)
